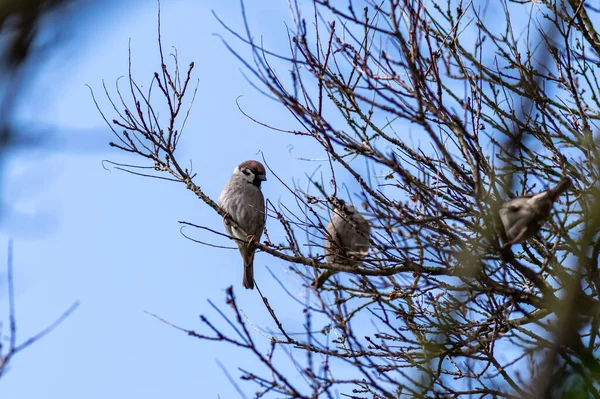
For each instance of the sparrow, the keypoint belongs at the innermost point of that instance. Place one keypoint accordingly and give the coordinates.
(244, 203)
(522, 217)
(346, 240)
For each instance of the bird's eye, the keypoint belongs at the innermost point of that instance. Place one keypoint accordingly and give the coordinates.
(246, 172)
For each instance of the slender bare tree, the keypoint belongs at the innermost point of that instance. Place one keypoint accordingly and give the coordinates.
(456, 107)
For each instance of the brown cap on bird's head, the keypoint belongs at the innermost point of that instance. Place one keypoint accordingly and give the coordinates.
(256, 168)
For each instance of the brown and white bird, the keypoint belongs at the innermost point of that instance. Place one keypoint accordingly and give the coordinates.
(346, 240)
(243, 201)
(523, 217)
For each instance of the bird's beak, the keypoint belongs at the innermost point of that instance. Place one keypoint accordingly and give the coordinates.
(261, 177)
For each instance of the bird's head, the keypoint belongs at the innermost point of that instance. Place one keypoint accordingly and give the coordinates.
(251, 171)
(345, 209)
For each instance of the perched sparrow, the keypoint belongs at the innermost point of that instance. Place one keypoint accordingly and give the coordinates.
(243, 201)
(522, 217)
(346, 240)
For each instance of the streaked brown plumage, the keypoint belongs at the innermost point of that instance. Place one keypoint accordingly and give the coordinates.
(243, 201)
(346, 240)
(522, 217)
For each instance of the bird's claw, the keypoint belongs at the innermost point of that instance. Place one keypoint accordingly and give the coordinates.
(251, 238)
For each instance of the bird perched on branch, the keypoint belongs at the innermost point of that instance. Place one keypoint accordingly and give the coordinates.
(346, 240)
(244, 203)
(522, 217)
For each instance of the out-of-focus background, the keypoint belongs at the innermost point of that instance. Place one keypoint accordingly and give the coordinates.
(83, 232)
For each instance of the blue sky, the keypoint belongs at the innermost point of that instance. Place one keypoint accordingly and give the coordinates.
(111, 240)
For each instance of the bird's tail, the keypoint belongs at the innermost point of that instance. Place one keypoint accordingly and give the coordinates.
(248, 279)
(560, 188)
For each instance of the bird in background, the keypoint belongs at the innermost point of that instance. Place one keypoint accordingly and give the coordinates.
(243, 201)
(522, 217)
(346, 240)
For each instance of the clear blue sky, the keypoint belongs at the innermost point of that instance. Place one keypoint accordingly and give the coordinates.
(111, 240)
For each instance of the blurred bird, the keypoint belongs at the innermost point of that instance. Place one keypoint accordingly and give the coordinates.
(346, 240)
(522, 217)
(243, 201)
